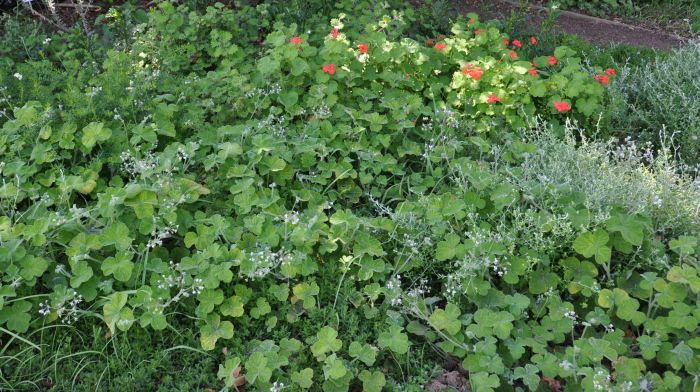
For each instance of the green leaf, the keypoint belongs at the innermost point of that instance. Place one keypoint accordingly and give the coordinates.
(372, 381)
(593, 243)
(16, 317)
(325, 342)
(363, 352)
(116, 234)
(94, 133)
(529, 375)
(631, 228)
(233, 307)
(303, 378)
(111, 311)
(334, 368)
(257, 369)
(683, 245)
(227, 369)
(213, 330)
(394, 339)
(447, 319)
(120, 266)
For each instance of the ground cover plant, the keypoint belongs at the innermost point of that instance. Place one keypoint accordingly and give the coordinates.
(340, 207)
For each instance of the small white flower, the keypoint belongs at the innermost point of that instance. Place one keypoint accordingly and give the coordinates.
(18, 75)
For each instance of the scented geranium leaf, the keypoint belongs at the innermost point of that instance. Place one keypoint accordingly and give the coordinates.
(542, 280)
(213, 330)
(306, 293)
(648, 346)
(116, 234)
(683, 245)
(367, 244)
(490, 323)
(299, 66)
(208, 299)
(81, 272)
(233, 307)
(394, 339)
(363, 352)
(16, 316)
(119, 265)
(372, 381)
(228, 370)
(326, 342)
(447, 319)
(447, 249)
(33, 267)
(334, 368)
(594, 243)
(529, 375)
(262, 307)
(111, 311)
(303, 378)
(94, 133)
(631, 228)
(257, 369)
(484, 382)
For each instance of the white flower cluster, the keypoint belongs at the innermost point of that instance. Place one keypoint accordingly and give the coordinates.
(160, 234)
(136, 167)
(67, 310)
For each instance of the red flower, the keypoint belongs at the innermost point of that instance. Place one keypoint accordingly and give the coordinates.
(440, 46)
(474, 72)
(513, 55)
(429, 42)
(493, 98)
(517, 43)
(562, 106)
(295, 40)
(478, 31)
(603, 79)
(363, 48)
(471, 20)
(440, 37)
(334, 33)
(610, 72)
(552, 60)
(533, 40)
(506, 42)
(329, 69)
(533, 71)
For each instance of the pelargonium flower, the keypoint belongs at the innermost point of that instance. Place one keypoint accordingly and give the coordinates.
(513, 55)
(295, 40)
(603, 79)
(517, 43)
(363, 48)
(471, 20)
(493, 98)
(533, 71)
(478, 31)
(562, 106)
(440, 46)
(533, 40)
(329, 69)
(429, 42)
(506, 42)
(474, 72)
(552, 60)
(334, 33)
(610, 72)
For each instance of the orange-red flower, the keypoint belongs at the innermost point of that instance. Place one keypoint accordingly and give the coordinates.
(562, 106)
(610, 72)
(517, 43)
(295, 40)
(334, 33)
(363, 48)
(533, 71)
(493, 98)
(473, 72)
(329, 69)
(506, 42)
(429, 42)
(471, 20)
(478, 31)
(440, 46)
(533, 40)
(603, 79)
(552, 60)
(513, 55)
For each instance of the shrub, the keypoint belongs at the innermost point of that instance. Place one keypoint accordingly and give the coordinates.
(661, 100)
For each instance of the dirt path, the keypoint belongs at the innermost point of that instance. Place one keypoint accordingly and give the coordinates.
(595, 30)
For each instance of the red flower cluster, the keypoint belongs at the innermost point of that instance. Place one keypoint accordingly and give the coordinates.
(471, 20)
(478, 31)
(610, 72)
(562, 106)
(533, 71)
(513, 55)
(429, 42)
(493, 98)
(517, 43)
(474, 72)
(363, 48)
(329, 69)
(295, 40)
(552, 61)
(440, 46)
(506, 42)
(334, 33)
(533, 40)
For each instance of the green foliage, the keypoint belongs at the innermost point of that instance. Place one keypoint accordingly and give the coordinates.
(324, 206)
